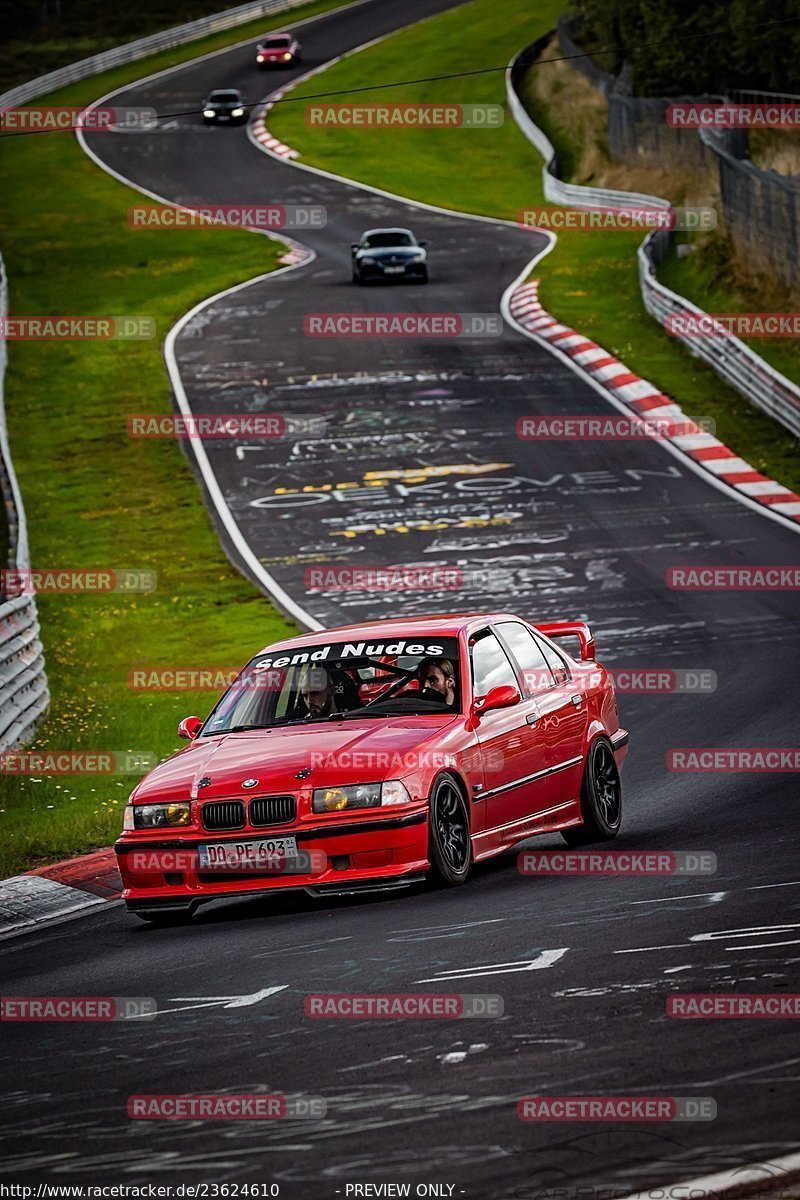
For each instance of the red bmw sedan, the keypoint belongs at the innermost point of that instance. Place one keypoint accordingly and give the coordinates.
(278, 50)
(373, 756)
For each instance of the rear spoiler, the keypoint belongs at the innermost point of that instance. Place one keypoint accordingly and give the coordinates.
(579, 629)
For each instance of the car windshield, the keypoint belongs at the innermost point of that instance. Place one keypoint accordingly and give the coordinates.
(224, 97)
(276, 43)
(388, 238)
(402, 675)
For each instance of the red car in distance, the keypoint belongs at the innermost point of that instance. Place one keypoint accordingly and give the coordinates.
(309, 774)
(278, 50)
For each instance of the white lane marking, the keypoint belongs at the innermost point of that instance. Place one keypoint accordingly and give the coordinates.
(377, 1062)
(642, 949)
(714, 898)
(751, 931)
(760, 887)
(722, 1181)
(441, 931)
(759, 1070)
(716, 935)
(223, 1001)
(460, 925)
(674, 970)
(545, 958)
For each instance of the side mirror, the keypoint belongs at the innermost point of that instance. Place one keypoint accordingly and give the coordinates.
(505, 696)
(355, 245)
(189, 728)
(423, 242)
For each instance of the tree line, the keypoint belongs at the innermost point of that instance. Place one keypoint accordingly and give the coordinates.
(682, 47)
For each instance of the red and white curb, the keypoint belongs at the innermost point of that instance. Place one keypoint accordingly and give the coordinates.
(646, 400)
(258, 126)
(259, 132)
(59, 891)
(267, 139)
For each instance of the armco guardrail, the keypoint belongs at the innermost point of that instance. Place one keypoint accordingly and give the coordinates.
(733, 361)
(179, 35)
(23, 684)
(556, 190)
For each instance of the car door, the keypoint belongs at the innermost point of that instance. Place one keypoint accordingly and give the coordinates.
(514, 756)
(563, 713)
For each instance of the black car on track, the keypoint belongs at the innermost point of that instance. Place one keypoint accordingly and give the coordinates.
(391, 254)
(225, 107)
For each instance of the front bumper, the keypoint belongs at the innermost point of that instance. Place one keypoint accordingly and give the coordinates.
(359, 855)
(417, 270)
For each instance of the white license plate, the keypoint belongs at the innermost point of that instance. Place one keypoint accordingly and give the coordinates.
(394, 270)
(266, 852)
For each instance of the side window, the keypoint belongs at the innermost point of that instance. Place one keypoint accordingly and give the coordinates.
(557, 665)
(529, 653)
(490, 665)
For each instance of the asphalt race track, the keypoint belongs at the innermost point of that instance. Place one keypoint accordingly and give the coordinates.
(425, 430)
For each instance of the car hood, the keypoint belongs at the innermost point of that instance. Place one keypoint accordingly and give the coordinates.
(398, 252)
(348, 751)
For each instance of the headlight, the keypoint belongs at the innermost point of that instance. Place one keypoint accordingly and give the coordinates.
(209, 112)
(237, 112)
(287, 58)
(259, 58)
(154, 816)
(419, 256)
(360, 795)
(368, 262)
(394, 792)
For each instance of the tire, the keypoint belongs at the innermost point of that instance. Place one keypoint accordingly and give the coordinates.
(449, 845)
(357, 280)
(601, 798)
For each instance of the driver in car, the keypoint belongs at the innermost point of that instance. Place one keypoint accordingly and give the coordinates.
(316, 688)
(438, 675)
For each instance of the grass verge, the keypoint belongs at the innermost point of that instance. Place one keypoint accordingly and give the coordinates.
(590, 280)
(94, 497)
(714, 275)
